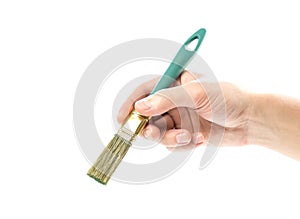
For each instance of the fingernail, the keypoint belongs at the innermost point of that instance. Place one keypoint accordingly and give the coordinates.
(182, 138)
(147, 132)
(198, 138)
(143, 104)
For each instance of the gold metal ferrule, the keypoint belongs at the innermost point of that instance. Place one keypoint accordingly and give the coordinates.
(133, 126)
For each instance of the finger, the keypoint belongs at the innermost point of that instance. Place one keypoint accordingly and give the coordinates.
(176, 137)
(144, 90)
(187, 76)
(197, 140)
(151, 132)
(185, 118)
(140, 92)
(190, 95)
(157, 127)
(163, 122)
(184, 148)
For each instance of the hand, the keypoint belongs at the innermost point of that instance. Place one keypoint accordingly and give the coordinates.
(182, 116)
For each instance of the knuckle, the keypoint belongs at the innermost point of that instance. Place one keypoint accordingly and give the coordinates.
(196, 94)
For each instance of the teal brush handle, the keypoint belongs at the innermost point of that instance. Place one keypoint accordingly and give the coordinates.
(181, 60)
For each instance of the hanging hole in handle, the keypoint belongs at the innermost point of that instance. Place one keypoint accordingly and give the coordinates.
(192, 45)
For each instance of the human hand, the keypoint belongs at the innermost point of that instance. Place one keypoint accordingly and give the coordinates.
(182, 116)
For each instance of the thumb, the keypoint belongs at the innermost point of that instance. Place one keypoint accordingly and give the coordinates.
(190, 95)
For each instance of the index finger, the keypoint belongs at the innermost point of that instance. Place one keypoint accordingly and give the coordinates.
(140, 92)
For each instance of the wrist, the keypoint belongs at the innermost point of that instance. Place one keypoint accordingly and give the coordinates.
(261, 126)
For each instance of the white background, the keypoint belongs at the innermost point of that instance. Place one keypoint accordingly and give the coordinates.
(44, 50)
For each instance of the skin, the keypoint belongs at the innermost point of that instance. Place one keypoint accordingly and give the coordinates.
(182, 116)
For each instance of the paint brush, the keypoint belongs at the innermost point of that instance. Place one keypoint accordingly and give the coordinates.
(114, 152)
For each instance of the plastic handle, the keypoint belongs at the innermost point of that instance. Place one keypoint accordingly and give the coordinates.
(181, 60)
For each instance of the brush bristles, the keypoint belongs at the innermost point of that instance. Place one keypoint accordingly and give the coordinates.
(109, 159)
(117, 148)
